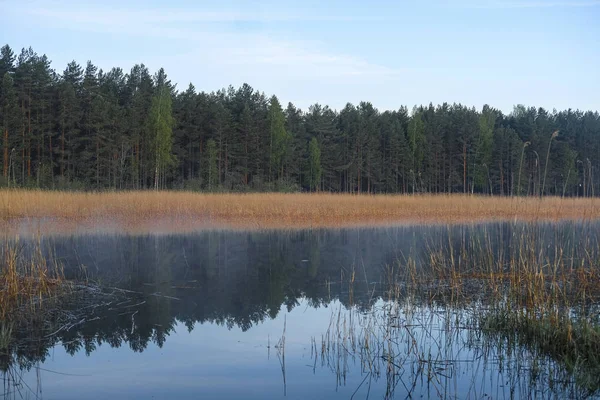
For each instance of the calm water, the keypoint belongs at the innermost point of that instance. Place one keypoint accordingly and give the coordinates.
(273, 315)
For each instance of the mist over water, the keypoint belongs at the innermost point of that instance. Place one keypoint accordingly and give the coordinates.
(275, 314)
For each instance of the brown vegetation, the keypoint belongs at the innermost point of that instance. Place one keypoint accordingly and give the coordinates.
(528, 298)
(47, 212)
(539, 292)
(26, 278)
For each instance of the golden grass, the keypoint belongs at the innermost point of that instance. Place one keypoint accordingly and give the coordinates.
(25, 279)
(138, 211)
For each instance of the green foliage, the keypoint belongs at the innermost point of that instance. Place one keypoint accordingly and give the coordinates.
(397, 157)
(86, 128)
(9, 122)
(284, 185)
(161, 125)
(314, 162)
(487, 121)
(9, 102)
(279, 137)
(210, 168)
(416, 140)
(7, 60)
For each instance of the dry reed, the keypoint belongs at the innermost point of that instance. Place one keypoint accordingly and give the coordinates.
(26, 279)
(541, 289)
(134, 212)
(532, 289)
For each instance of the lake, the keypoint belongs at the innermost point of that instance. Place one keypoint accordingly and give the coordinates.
(327, 313)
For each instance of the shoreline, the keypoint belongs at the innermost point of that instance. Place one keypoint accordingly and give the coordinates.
(139, 212)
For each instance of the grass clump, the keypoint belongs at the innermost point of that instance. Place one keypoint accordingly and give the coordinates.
(27, 278)
(574, 343)
(533, 286)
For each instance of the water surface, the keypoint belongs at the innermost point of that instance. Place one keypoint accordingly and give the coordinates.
(275, 314)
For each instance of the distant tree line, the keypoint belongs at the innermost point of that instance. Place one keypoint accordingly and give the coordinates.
(86, 128)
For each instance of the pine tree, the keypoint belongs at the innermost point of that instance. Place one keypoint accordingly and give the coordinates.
(86, 144)
(10, 121)
(186, 133)
(91, 129)
(7, 60)
(114, 143)
(483, 151)
(69, 118)
(246, 132)
(141, 86)
(221, 122)
(396, 154)
(210, 168)
(314, 162)
(416, 141)
(297, 153)
(279, 139)
(160, 120)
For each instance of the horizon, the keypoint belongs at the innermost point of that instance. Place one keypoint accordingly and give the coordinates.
(536, 53)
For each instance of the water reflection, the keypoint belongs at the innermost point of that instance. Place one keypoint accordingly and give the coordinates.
(221, 299)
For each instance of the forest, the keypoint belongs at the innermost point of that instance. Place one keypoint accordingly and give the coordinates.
(89, 129)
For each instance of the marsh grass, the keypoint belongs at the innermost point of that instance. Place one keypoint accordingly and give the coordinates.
(524, 299)
(30, 332)
(573, 343)
(151, 211)
(30, 286)
(464, 297)
(542, 286)
(27, 278)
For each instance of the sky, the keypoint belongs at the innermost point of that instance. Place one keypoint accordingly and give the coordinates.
(542, 53)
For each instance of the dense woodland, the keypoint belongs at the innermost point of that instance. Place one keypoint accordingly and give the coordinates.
(88, 129)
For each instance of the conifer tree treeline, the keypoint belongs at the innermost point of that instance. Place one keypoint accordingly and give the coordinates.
(84, 128)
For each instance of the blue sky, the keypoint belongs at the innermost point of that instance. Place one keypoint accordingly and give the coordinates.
(544, 53)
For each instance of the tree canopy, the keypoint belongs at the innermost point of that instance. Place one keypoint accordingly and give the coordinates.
(89, 129)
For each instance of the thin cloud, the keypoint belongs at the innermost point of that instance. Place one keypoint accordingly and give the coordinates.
(113, 16)
(243, 51)
(531, 4)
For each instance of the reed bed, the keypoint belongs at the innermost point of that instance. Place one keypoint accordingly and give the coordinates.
(30, 286)
(420, 350)
(476, 295)
(524, 299)
(29, 332)
(27, 279)
(542, 287)
(143, 211)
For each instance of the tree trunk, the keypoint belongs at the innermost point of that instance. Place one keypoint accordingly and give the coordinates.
(40, 158)
(23, 154)
(136, 169)
(5, 157)
(246, 160)
(226, 161)
(51, 159)
(270, 156)
(29, 138)
(501, 178)
(98, 162)
(190, 161)
(220, 170)
(156, 178)
(358, 165)
(464, 167)
(62, 153)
